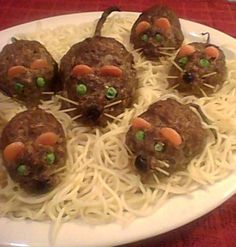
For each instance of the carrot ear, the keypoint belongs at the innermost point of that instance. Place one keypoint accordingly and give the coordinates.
(212, 52)
(140, 123)
(171, 135)
(47, 138)
(142, 26)
(81, 69)
(16, 70)
(163, 23)
(186, 50)
(39, 64)
(12, 150)
(111, 70)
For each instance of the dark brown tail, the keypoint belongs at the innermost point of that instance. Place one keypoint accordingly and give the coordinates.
(208, 37)
(14, 39)
(103, 18)
(205, 119)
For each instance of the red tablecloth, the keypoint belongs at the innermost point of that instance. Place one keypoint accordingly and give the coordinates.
(217, 229)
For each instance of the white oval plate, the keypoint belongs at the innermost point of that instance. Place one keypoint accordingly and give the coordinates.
(176, 212)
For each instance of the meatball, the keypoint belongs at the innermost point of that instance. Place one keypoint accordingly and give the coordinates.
(199, 69)
(157, 32)
(26, 71)
(34, 147)
(98, 75)
(166, 137)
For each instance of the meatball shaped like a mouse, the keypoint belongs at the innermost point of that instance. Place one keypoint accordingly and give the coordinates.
(157, 32)
(99, 77)
(34, 147)
(199, 69)
(26, 71)
(165, 138)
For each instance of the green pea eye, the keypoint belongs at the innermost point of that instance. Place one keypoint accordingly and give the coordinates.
(144, 37)
(182, 61)
(159, 147)
(19, 87)
(50, 158)
(40, 82)
(21, 170)
(111, 93)
(140, 135)
(158, 37)
(204, 63)
(81, 89)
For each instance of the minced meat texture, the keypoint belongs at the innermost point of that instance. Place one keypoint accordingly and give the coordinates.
(151, 148)
(200, 75)
(38, 160)
(150, 40)
(96, 53)
(27, 84)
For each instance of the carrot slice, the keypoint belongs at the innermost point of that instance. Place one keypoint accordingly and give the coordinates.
(12, 150)
(16, 70)
(163, 23)
(81, 69)
(212, 52)
(171, 135)
(142, 26)
(47, 138)
(186, 50)
(111, 70)
(140, 123)
(39, 64)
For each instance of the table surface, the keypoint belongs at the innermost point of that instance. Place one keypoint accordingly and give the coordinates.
(217, 228)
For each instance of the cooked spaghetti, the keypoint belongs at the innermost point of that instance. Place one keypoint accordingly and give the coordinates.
(98, 182)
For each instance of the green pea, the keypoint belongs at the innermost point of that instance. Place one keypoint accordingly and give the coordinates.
(140, 135)
(204, 63)
(50, 158)
(159, 147)
(158, 37)
(111, 93)
(22, 170)
(19, 87)
(81, 89)
(40, 82)
(182, 61)
(144, 38)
